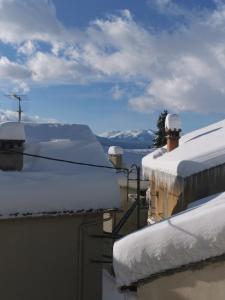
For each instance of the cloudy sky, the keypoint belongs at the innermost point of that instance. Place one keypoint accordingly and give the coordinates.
(114, 64)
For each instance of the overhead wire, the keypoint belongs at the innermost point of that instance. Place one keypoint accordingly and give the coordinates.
(65, 160)
(122, 169)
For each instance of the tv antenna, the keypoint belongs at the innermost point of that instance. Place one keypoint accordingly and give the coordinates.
(18, 98)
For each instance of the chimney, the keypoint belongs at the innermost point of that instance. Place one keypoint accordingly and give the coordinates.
(12, 137)
(173, 129)
(115, 155)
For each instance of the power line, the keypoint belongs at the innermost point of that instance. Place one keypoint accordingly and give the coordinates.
(77, 163)
(66, 161)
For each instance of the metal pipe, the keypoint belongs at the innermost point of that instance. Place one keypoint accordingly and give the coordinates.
(124, 219)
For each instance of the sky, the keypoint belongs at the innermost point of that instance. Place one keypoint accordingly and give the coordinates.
(114, 64)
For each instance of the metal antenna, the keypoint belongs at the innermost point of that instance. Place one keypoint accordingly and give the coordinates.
(19, 99)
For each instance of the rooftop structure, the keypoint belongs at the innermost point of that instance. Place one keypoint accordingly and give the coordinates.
(199, 150)
(193, 170)
(52, 213)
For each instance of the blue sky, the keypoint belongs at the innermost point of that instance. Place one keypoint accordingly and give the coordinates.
(114, 64)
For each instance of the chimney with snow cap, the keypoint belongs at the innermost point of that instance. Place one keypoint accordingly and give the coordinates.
(12, 138)
(173, 129)
(115, 154)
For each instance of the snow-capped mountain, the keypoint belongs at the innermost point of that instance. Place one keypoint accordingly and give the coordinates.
(135, 139)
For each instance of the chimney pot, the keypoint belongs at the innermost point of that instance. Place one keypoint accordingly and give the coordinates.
(12, 137)
(173, 129)
(115, 154)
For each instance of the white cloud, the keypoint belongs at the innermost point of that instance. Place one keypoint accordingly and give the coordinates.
(117, 92)
(179, 70)
(12, 70)
(25, 20)
(9, 115)
(13, 76)
(119, 46)
(27, 48)
(47, 68)
(169, 7)
(190, 73)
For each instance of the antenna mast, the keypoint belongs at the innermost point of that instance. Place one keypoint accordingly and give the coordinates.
(19, 98)
(19, 106)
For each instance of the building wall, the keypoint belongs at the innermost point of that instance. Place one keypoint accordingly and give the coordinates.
(49, 258)
(170, 199)
(207, 283)
(12, 161)
(164, 200)
(205, 183)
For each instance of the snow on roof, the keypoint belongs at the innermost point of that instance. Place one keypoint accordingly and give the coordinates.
(115, 150)
(173, 122)
(12, 131)
(192, 236)
(46, 132)
(198, 151)
(46, 186)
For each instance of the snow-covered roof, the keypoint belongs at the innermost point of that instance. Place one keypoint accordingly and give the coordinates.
(190, 237)
(198, 151)
(12, 131)
(45, 186)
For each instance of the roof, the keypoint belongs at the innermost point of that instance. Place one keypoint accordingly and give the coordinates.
(198, 151)
(12, 131)
(48, 187)
(189, 237)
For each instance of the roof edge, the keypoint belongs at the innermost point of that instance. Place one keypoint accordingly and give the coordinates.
(191, 266)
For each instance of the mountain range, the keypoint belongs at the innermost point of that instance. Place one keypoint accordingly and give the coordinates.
(128, 139)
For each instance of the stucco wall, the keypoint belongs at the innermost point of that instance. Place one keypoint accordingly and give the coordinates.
(207, 283)
(45, 258)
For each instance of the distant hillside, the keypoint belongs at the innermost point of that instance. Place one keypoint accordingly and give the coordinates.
(129, 139)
